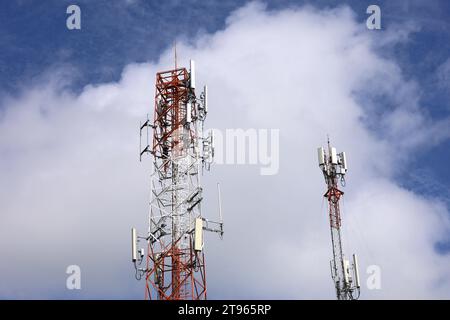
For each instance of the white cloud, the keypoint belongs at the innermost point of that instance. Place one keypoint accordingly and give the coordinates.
(72, 185)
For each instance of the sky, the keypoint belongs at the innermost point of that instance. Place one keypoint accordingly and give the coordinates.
(72, 186)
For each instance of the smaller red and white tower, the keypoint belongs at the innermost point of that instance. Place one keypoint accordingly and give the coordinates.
(345, 275)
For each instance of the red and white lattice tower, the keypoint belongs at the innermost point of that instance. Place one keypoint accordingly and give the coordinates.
(175, 261)
(344, 274)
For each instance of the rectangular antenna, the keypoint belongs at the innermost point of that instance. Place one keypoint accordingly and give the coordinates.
(344, 161)
(333, 154)
(188, 112)
(198, 239)
(346, 274)
(321, 156)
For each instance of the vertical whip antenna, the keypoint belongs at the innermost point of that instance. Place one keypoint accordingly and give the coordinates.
(175, 53)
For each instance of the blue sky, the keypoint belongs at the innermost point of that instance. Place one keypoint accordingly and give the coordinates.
(115, 33)
(35, 42)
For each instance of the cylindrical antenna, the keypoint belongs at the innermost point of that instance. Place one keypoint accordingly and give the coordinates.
(205, 102)
(147, 128)
(331, 270)
(140, 140)
(175, 52)
(219, 197)
(192, 72)
(356, 270)
(212, 145)
(133, 245)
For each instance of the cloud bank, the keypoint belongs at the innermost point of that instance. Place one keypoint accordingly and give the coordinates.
(71, 185)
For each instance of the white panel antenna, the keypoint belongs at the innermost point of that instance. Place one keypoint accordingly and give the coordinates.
(198, 239)
(321, 156)
(346, 271)
(333, 155)
(188, 112)
(344, 160)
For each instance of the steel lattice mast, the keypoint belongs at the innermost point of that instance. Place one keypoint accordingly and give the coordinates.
(334, 168)
(175, 262)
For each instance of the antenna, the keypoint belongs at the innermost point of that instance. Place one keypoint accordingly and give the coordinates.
(334, 167)
(321, 156)
(219, 202)
(219, 199)
(356, 270)
(192, 73)
(175, 53)
(205, 97)
(147, 146)
(198, 240)
(133, 245)
(188, 112)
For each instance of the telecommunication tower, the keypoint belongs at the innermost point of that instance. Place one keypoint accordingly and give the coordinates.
(175, 260)
(345, 275)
